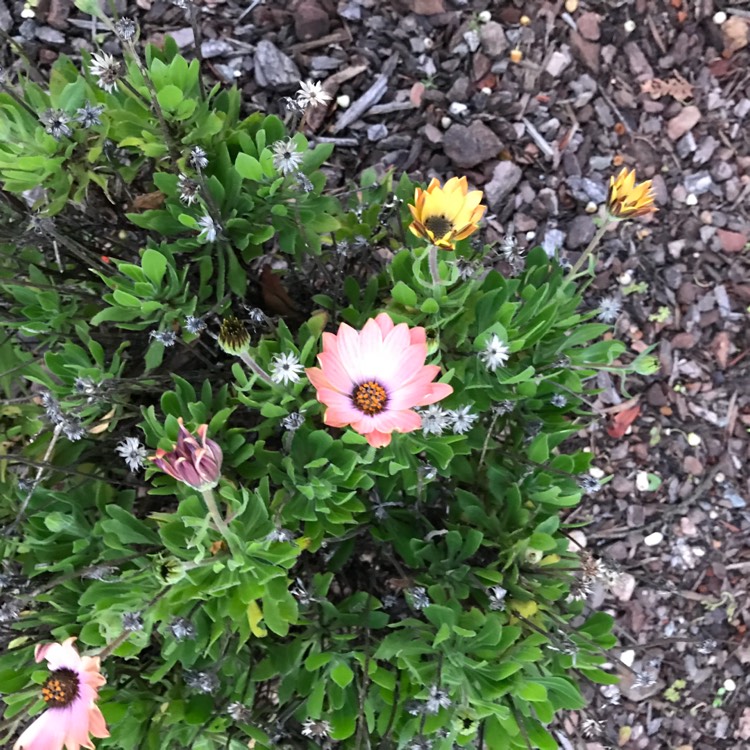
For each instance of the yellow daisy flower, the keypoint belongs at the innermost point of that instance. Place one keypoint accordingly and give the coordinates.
(626, 199)
(444, 215)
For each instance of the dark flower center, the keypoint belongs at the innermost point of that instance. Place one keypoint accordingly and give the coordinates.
(370, 397)
(438, 225)
(233, 336)
(60, 689)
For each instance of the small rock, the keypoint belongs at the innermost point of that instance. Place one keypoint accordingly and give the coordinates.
(310, 21)
(698, 183)
(705, 150)
(432, 133)
(587, 52)
(686, 145)
(49, 35)
(183, 36)
(559, 61)
(505, 177)
(460, 90)
(585, 189)
(377, 132)
(721, 171)
(731, 242)
(692, 465)
(638, 62)
(553, 241)
(468, 146)
(493, 40)
(580, 232)
(216, 48)
(6, 19)
(588, 26)
(427, 7)
(273, 67)
(653, 539)
(624, 587)
(686, 120)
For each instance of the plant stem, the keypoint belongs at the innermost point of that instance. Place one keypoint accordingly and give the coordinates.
(257, 369)
(198, 41)
(37, 479)
(589, 249)
(173, 152)
(432, 260)
(213, 510)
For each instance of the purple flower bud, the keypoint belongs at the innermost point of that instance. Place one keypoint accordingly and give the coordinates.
(194, 461)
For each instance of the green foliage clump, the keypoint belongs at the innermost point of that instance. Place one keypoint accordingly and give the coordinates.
(419, 595)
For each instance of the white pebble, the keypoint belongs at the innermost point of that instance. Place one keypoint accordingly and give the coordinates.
(628, 657)
(642, 481)
(691, 200)
(591, 207)
(484, 17)
(428, 43)
(629, 26)
(625, 278)
(653, 539)
(343, 101)
(719, 17)
(730, 685)
(596, 472)
(457, 108)
(693, 439)
(446, 122)
(28, 12)
(576, 540)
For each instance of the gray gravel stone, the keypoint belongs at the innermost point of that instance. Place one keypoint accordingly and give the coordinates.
(468, 146)
(505, 177)
(273, 67)
(580, 232)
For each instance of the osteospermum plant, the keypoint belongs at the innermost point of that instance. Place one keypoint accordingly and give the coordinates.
(281, 492)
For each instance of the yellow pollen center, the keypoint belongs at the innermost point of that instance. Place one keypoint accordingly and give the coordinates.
(60, 688)
(370, 398)
(438, 225)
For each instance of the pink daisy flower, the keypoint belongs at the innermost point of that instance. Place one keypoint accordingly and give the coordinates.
(373, 379)
(70, 693)
(193, 461)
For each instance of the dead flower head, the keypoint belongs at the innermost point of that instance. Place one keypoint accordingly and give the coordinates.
(628, 199)
(445, 214)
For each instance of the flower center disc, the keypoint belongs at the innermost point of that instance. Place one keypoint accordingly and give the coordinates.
(438, 225)
(60, 689)
(370, 397)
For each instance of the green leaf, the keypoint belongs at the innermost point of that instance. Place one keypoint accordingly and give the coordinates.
(341, 674)
(532, 691)
(154, 265)
(249, 167)
(125, 298)
(170, 97)
(539, 449)
(404, 295)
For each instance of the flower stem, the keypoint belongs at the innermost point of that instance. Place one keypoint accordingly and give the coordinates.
(589, 249)
(198, 41)
(432, 260)
(213, 510)
(173, 151)
(257, 369)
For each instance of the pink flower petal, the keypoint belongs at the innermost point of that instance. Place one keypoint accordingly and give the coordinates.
(378, 439)
(349, 352)
(385, 322)
(46, 733)
(418, 335)
(335, 372)
(336, 416)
